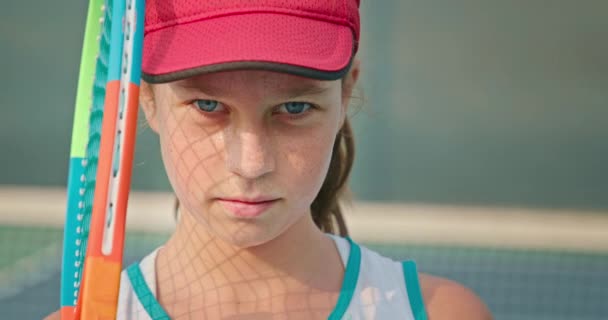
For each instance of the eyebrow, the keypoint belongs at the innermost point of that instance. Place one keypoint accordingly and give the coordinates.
(207, 88)
(311, 88)
(210, 89)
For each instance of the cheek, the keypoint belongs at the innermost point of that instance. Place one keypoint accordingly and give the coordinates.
(305, 166)
(190, 157)
(307, 157)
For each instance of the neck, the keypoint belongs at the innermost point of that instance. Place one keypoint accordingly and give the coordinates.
(301, 254)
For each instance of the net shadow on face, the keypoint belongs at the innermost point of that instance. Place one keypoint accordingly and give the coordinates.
(223, 285)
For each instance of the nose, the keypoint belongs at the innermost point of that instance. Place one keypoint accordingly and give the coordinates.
(249, 154)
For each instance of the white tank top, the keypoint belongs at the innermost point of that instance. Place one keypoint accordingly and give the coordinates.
(374, 287)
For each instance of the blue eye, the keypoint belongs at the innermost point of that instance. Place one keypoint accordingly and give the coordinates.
(207, 105)
(296, 107)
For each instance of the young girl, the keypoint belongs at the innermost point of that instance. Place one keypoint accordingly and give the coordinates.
(249, 100)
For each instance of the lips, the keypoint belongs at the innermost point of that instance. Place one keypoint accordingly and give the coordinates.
(247, 208)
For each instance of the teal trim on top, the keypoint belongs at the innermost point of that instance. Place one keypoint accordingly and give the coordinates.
(145, 296)
(414, 293)
(351, 275)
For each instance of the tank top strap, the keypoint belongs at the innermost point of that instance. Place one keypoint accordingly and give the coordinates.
(414, 293)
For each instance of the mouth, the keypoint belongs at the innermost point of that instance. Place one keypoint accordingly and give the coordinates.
(247, 208)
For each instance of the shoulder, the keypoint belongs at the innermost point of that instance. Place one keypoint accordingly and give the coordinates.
(447, 299)
(442, 298)
(54, 316)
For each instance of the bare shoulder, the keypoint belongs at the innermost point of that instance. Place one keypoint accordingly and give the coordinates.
(53, 316)
(447, 299)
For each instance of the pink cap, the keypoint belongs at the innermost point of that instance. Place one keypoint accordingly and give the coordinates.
(311, 38)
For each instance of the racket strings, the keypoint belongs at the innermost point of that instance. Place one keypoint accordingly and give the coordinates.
(104, 44)
(90, 162)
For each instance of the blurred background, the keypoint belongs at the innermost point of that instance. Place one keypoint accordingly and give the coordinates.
(481, 131)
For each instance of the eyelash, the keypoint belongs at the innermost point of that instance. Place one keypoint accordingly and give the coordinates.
(199, 108)
(296, 116)
(311, 107)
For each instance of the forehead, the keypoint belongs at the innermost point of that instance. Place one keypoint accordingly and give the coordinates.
(268, 82)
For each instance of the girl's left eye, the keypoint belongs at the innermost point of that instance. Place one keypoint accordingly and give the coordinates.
(208, 105)
(295, 108)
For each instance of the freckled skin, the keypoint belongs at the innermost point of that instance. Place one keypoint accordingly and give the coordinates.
(279, 265)
(249, 146)
(247, 151)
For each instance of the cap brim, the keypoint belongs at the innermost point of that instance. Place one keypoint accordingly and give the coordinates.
(269, 41)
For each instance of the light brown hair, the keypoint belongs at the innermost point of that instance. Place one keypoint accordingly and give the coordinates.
(326, 210)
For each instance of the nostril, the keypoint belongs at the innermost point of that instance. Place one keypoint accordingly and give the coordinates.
(250, 156)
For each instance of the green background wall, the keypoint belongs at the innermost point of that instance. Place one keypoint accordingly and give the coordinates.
(465, 102)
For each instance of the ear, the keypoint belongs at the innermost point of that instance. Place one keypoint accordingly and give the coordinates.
(148, 105)
(348, 85)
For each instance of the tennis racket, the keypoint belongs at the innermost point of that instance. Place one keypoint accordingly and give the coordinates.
(103, 139)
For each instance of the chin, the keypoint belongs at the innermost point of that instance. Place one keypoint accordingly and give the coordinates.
(246, 233)
(248, 236)
(245, 241)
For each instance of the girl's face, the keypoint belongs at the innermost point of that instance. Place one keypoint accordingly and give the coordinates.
(246, 151)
